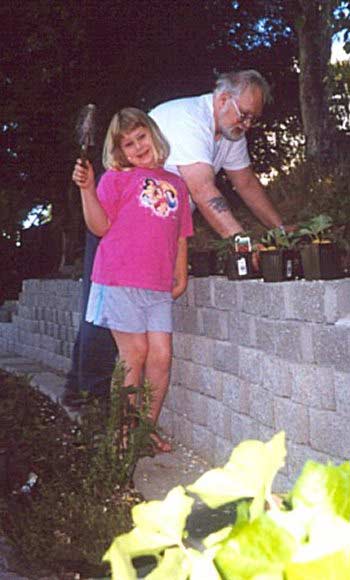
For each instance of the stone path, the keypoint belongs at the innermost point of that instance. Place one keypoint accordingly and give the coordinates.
(153, 477)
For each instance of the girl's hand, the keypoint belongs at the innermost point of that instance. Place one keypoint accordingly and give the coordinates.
(178, 288)
(83, 175)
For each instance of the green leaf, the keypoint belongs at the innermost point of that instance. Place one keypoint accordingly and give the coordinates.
(202, 566)
(324, 487)
(166, 518)
(326, 553)
(254, 549)
(249, 473)
(120, 562)
(174, 565)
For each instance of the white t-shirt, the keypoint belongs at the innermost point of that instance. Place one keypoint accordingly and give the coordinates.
(188, 124)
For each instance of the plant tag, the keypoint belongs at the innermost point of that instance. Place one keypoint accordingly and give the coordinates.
(289, 268)
(243, 244)
(242, 267)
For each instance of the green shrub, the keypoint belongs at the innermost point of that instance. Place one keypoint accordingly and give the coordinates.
(83, 495)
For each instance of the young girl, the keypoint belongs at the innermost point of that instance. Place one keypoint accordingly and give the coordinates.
(143, 216)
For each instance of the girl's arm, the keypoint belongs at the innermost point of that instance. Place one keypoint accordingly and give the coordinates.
(181, 269)
(95, 216)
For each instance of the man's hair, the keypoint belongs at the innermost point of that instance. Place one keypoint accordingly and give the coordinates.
(236, 82)
(124, 122)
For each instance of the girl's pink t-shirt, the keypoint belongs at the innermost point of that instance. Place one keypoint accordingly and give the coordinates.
(149, 211)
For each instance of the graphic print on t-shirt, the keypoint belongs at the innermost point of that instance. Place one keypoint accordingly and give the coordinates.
(160, 196)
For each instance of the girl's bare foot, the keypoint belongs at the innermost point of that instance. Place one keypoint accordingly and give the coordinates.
(159, 444)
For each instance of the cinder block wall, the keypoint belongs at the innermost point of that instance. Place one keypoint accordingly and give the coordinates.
(250, 359)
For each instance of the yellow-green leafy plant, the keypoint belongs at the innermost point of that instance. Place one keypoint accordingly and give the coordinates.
(316, 229)
(304, 537)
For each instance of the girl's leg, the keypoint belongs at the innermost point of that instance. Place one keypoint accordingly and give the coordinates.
(133, 350)
(157, 372)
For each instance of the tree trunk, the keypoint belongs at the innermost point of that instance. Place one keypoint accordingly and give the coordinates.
(315, 41)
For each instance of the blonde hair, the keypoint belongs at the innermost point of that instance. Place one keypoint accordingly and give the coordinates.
(122, 123)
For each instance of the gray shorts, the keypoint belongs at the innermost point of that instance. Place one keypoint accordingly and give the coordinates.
(130, 309)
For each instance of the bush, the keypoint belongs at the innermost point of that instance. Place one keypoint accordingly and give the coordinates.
(81, 471)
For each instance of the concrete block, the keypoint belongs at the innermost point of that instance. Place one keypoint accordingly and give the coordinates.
(196, 408)
(219, 418)
(342, 392)
(215, 323)
(206, 380)
(182, 344)
(262, 406)
(187, 320)
(242, 428)
(202, 443)
(275, 300)
(305, 301)
(236, 393)
(183, 430)
(50, 384)
(292, 418)
(226, 357)
(288, 341)
(337, 299)
(331, 347)
(313, 386)
(282, 483)
(298, 455)
(277, 376)
(165, 421)
(252, 297)
(225, 293)
(222, 451)
(243, 329)
(330, 433)
(76, 319)
(266, 335)
(169, 401)
(307, 343)
(203, 292)
(201, 350)
(250, 364)
(265, 433)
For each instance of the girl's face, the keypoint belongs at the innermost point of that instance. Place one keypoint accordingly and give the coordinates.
(138, 147)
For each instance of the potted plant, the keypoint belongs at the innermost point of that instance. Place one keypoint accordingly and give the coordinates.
(236, 255)
(320, 254)
(202, 256)
(279, 258)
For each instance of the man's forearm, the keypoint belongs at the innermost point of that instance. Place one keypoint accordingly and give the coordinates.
(255, 197)
(218, 214)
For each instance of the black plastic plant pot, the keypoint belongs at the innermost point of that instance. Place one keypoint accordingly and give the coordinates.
(321, 261)
(292, 265)
(239, 266)
(203, 263)
(272, 265)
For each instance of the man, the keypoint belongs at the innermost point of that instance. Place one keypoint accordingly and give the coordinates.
(206, 133)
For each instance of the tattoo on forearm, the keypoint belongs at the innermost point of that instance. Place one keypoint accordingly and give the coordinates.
(219, 204)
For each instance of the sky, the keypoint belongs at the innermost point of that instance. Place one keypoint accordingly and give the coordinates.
(338, 53)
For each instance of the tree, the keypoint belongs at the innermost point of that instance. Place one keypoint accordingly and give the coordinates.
(315, 24)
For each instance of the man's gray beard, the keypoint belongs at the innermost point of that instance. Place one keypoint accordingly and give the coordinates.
(230, 134)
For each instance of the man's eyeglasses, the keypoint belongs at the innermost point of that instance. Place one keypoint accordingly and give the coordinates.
(245, 119)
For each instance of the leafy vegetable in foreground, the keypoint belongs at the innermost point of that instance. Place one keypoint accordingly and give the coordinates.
(306, 538)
